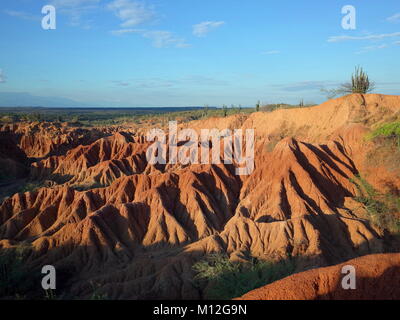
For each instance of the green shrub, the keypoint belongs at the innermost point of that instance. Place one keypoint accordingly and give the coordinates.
(229, 279)
(387, 130)
(360, 82)
(16, 280)
(386, 150)
(381, 208)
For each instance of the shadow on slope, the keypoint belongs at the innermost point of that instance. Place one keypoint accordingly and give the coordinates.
(159, 271)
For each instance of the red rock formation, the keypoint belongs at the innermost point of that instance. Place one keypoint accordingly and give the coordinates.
(13, 161)
(41, 139)
(137, 229)
(101, 162)
(377, 278)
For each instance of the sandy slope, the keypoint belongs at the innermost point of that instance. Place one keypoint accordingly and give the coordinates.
(377, 277)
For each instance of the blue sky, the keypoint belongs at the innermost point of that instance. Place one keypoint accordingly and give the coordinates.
(127, 53)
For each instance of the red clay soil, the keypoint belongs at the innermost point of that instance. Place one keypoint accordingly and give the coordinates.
(377, 277)
(137, 229)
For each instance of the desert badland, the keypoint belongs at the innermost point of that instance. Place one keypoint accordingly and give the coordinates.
(195, 155)
(324, 190)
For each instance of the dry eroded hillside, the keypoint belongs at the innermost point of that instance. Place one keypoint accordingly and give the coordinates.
(104, 215)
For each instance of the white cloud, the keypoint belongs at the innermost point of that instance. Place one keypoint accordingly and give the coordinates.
(130, 12)
(2, 76)
(121, 32)
(368, 37)
(22, 15)
(133, 13)
(394, 18)
(372, 48)
(59, 4)
(201, 29)
(75, 10)
(382, 46)
(164, 39)
(396, 42)
(159, 38)
(272, 52)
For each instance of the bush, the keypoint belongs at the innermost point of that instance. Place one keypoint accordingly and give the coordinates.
(359, 83)
(16, 280)
(381, 208)
(227, 279)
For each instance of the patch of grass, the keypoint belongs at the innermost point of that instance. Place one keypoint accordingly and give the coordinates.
(16, 280)
(386, 130)
(386, 151)
(96, 294)
(98, 117)
(30, 187)
(381, 208)
(229, 279)
(89, 117)
(389, 130)
(18, 186)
